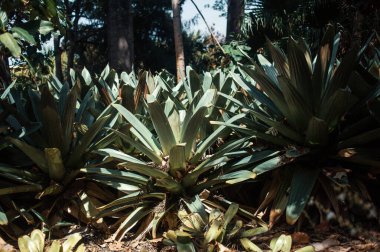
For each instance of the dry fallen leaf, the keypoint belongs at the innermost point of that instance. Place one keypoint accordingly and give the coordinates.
(5, 247)
(321, 246)
(300, 238)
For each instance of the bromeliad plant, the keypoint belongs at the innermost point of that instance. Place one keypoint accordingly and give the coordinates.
(203, 231)
(314, 108)
(174, 163)
(57, 145)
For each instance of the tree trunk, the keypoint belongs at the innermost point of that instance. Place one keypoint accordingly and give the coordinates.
(235, 15)
(5, 77)
(120, 35)
(180, 56)
(57, 58)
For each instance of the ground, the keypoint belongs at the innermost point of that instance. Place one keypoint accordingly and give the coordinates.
(330, 241)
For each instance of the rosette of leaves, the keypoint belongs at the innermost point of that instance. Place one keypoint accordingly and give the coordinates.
(175, 163)
(211, 230)
(320, 109)
(36, 243)
(50, 140)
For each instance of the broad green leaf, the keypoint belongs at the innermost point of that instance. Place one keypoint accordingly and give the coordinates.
(55, 164)
(300, 73)
(86, 76)
(250, 160)
(336, 106)
(190, 131)
(360, 139)
(195, 205)
(38, 239)
(193, 80)
(140, 128)
(25, 244)
(72, 242)
(237, 176)
(141, 147)
(10, 43)
(36, 155)
(269, 88)
(270, 164)
(230, 214)
(280, 127)
(253, 232)
(206, 100)
(214, 231)
(132, 198)
(55, 246)
(24, 34)
(321, 67)
(249, 246)
(269, 69)
(132, 219)
(302, 184)
(210, 140)
(118, 155)
(342, 74)
(281, 244)
(84, 142)
(184, 243)
(279, 59)
(317, 132)
(281, 199)
(161, 125)
(191, 178)
(299, 111)
(125, 185)
(45, 27)
(145, 170)
(255, 93)
(207, 81)
(177, 159)
(68, 119)
(52, 124)
(170, 185)
(20, 189)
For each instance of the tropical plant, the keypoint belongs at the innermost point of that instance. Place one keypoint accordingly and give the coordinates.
(174, 162)
(203, 231)
(316, 108)
(55, 136)
(36, 243)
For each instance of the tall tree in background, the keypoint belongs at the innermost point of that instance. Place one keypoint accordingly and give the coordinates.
(235, 15)
(178, 42)
(119, 35)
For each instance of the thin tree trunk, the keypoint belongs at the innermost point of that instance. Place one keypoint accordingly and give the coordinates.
(178, 42)
(73, 35)
(357, 29)
(57, 58)
(235, 15)
(5, 77)
(120, 35)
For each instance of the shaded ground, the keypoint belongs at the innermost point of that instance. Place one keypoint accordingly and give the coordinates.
(331, 241)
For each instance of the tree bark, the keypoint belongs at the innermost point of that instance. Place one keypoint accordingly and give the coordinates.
(235, 15)
(57, 58)
(120, 35)
(178, 42)
(5, 77)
